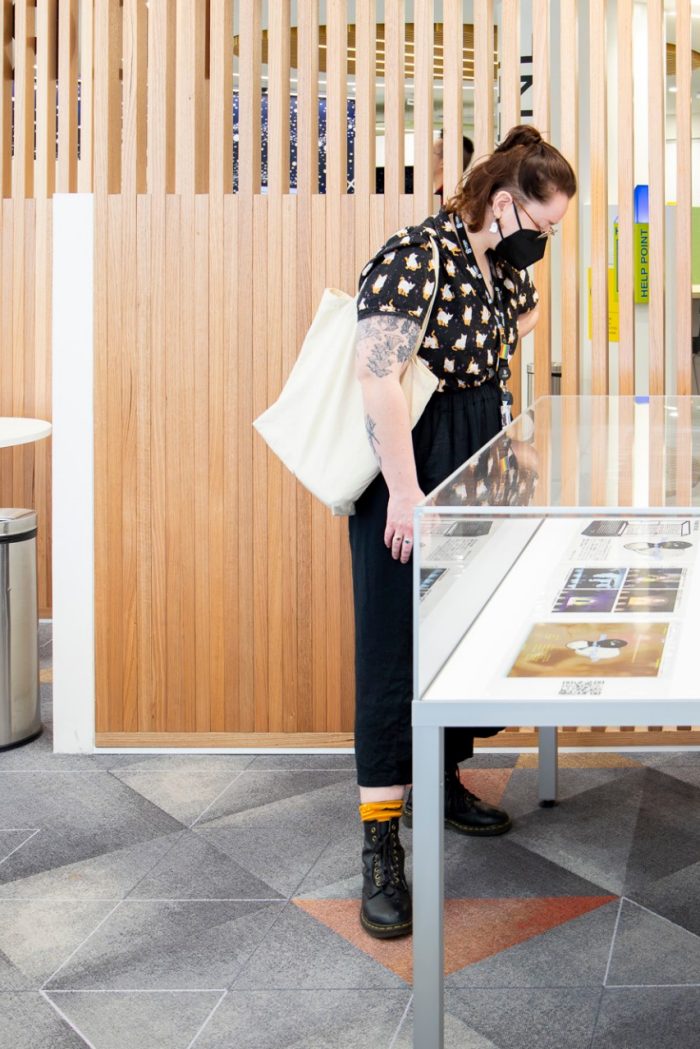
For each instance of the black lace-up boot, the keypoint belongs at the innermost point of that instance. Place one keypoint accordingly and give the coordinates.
(386, 902)
(464, 812)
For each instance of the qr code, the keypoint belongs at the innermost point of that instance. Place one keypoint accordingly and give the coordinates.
(581, 688)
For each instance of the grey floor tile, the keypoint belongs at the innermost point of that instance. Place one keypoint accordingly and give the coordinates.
(108, 876)
(184, 791)
(648, 1018)
(521, 797)
(669, 756)
(518, 1019)
(149, 1020)
(667, 831)
(492, 761)
(37, 936)
(12, 840)
(457, 1034)
(195, 869)
(280, 842)
(305, 1020)
(150, 945)
(303, 953)
(319, 761)
(232, 763)
(674, 897)
(651, 950)
(81, 815)
(510, 865)
(253, 789)
(574, 955)
(591, 833)
(29, 1022)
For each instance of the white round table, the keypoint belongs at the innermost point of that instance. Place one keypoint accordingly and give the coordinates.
(22, 431)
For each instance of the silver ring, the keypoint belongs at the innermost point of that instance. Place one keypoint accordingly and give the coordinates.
(407, 540)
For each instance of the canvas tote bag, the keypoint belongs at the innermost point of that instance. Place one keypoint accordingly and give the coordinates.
(317, 424)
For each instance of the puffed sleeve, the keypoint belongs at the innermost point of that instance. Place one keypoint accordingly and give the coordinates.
(528, 296)
(399, 281)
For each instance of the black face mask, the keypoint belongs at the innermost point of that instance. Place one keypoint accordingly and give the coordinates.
(522, 248)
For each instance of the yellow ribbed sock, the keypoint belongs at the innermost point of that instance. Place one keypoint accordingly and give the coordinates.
(380, 811)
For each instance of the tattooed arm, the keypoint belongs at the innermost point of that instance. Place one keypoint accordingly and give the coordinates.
(384, 346)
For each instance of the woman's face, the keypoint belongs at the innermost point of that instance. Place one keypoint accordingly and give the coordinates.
(532, 214)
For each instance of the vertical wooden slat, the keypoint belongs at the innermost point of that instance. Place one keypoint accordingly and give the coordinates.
(107, 97)
(135, 98)
(657, 191)
(394, 32)
(307, 97)
(453, 35)
(570, 229)
(510, 117)
(658, 423)
(278, 99)
(570, 451)
(259, 400)
(543, 269)
(86, 55)
(126, 359)
(244, 451)
(6, 22)
(205, 571)
(600, 455)
(67, 96)
(27, 451)
(161, 98)
(220, 105)
(6, 371)
(510, 65)
(158, 458)
(174, 624)
(365, 124)
(319, 514)
(278, 536)
(42, 394)
(599, 194)
(45, 165)
(112, 480)
(235, 466)
(683, 275)
(423, 106)
(23, 159)
(250, 36)
(625, 168)
(483, 77)
(336, 74)
(684, 453)
(626, 449)
(190, 158)
(344, 621)
(144, 477)
(290, 692)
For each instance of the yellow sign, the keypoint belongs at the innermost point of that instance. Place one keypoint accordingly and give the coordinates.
(613, 306)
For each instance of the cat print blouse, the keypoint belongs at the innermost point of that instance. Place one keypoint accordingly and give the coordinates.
(462, 340)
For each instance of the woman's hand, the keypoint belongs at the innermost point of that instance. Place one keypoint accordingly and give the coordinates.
(398, 535)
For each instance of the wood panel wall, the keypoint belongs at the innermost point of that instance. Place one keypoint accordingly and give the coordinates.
(223, 601)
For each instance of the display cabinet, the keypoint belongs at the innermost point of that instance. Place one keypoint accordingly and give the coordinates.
(555, 583)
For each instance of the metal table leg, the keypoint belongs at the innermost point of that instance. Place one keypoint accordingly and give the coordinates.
(548, 766)
(428, 887)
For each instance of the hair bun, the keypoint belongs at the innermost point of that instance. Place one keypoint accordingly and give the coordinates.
(523, 135)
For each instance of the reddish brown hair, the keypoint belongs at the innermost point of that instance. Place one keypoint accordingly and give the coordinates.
(524, 164)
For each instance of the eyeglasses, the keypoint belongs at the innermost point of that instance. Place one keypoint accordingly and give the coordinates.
(551, 231)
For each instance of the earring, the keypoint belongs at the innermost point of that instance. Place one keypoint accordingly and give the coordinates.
(493, 228)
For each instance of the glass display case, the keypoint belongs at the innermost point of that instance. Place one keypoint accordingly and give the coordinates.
(555, 583)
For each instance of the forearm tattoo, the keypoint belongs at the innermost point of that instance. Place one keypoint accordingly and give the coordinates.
(371, 427)
(383, 341)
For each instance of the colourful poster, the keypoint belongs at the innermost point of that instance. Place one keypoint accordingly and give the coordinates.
(599, 650)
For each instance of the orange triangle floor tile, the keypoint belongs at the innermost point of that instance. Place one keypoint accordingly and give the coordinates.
(474, 929)
(487, 784)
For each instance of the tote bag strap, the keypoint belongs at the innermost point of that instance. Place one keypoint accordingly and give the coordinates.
(433, 297)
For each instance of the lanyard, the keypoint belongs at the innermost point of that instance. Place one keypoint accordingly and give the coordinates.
(496, 303)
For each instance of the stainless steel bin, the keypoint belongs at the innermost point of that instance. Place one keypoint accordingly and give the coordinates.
(20, 715)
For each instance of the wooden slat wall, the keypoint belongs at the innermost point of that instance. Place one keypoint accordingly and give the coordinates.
(191, 345)
(625, 180)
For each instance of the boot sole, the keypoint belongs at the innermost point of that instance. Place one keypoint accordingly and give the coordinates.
(482, 832)
(385, 932)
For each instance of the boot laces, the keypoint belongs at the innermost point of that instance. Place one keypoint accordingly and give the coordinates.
(461, 797)
(387, 861)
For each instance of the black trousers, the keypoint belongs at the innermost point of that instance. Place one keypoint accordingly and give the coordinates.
(452, 428)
